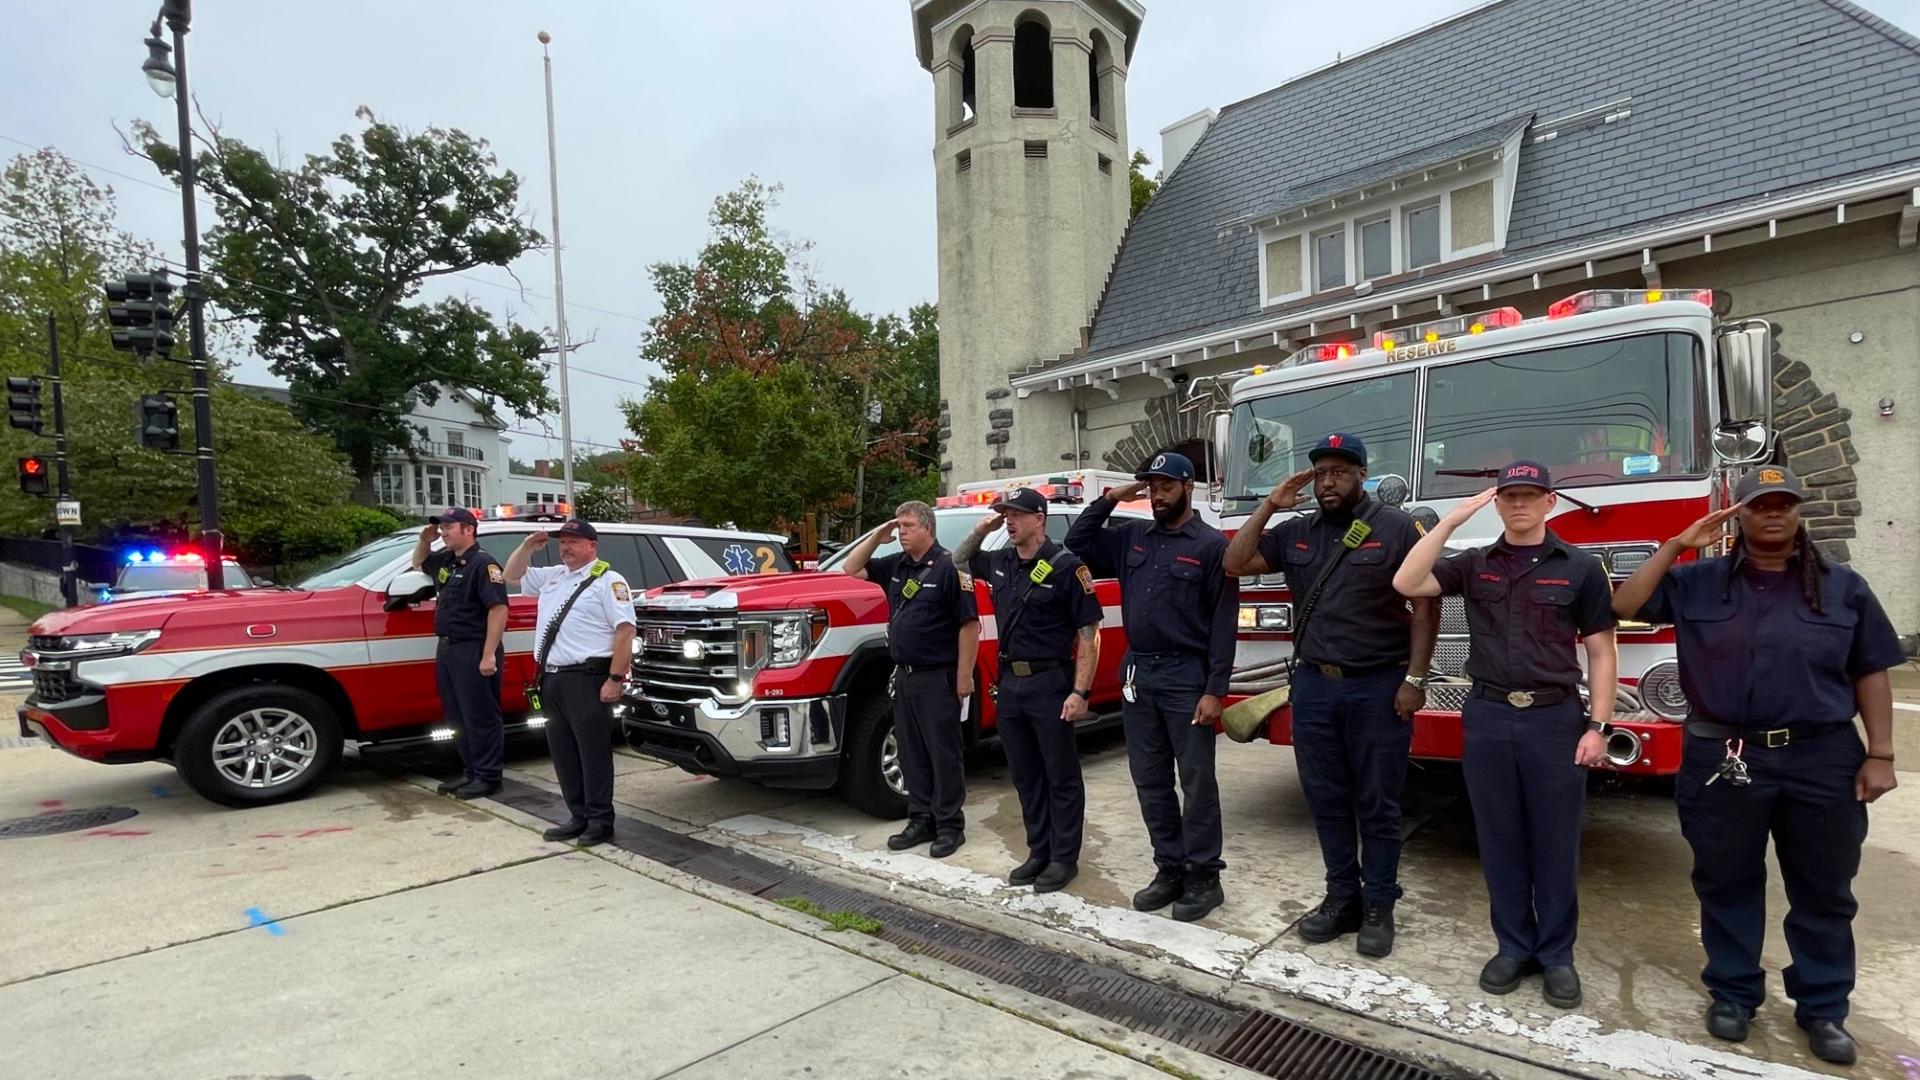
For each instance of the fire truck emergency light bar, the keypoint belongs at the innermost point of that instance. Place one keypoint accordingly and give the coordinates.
(1478, 322)
(1602, 299)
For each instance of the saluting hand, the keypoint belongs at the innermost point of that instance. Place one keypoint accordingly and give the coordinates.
(536, 540)
(1874, 779)
(1466, 508)
(1127, 492)
(1207, 712)
(887, 531)
(996, 519)
(429, 531)
(1707, 530)
(1287, 492)
(1591, 751)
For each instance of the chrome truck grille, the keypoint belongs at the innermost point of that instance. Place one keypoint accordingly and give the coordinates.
(685, 655)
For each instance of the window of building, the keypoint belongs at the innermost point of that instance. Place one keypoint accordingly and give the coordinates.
(1097, 62)
(962, 73)
(431, 481)
(1330, 259)
(1032, 63)
(1283, 268)
(1376, 248)
(470, 488)
(456, 440)
(390, 484)
(1423, 236)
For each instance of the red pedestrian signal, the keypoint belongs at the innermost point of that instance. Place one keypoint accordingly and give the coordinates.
(35, 475)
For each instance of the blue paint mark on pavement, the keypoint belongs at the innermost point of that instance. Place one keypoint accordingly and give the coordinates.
(256, 917)
(161, 791)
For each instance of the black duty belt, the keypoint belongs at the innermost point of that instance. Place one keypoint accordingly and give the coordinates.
(1772, 738)
(1029, 667)
(1349, 671)
(599, 665)
(909, 669)
(1523, 699)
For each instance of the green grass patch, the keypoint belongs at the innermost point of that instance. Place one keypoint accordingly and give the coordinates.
(32, 609)
(837, 920)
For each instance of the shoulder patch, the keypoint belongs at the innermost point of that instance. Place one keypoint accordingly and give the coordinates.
(1085, 577)
(621, 592)
(966, 579)
(495, 574)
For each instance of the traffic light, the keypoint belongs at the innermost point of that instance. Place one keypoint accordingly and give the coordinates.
(35, 475)
(23, 403)
(142, 314)
(156, 422)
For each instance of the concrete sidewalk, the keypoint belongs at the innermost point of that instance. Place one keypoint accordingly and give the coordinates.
(378, 930)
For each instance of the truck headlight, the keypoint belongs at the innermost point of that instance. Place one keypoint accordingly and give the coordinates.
(118, 643)
(1266, 616)
(795, 635)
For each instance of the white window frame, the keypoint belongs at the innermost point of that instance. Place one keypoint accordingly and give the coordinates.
(1345, 234)
(1439, 207)
(1360, 249)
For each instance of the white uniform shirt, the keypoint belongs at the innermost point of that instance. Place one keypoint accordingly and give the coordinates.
(590, 626)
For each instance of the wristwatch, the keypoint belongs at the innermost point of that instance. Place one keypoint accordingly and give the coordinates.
(1084, 695)
(1418, 682)
(1599, 728)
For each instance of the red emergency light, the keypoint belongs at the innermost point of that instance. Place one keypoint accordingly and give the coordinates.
(1478, 322)
(1603, 299)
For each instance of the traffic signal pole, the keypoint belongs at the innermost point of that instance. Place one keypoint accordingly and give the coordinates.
(211, 542)
(69, 570)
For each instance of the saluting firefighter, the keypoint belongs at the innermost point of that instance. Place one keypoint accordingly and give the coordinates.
(933, 633)
(1778, 650)
(470, 619)
(583, 651)
(1043, 599)
(1530, 597)
(1181, 613)
(1360, 664)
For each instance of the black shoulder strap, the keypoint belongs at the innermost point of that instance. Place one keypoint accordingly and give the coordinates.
(553, 628)
(1313, 594)
(1005, 629)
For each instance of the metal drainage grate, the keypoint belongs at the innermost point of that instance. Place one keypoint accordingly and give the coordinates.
(65, 821)
(1250, 1038)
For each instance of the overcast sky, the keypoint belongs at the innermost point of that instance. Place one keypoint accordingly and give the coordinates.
(660, 107)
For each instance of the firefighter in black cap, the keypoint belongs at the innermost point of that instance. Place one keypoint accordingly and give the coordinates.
(470, 618)
(1778, 650)
(1044, 602)
(583, 651)
(1360, 656)
(1181, 612)
(1530, 598)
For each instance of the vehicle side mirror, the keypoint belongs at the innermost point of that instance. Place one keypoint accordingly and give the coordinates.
(408, 589)
(1219, 428)
(1743, 355)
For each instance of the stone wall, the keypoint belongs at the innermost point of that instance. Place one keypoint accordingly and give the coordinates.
(1163, 425)
(1816, 441)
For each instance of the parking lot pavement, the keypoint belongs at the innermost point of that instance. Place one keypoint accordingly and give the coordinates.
(1639, 951)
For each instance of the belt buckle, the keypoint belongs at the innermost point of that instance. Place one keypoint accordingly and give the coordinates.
(1520, 699)
(1331, 671)
(1785, 737)
(1022, 668)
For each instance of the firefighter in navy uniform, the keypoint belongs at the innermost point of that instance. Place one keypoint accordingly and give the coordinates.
(470, 619)
(1778, 650)
(583, 652)
(933, 632)
(1043, 599)
(1181, 612)
(1530, 596)
(1361, 656)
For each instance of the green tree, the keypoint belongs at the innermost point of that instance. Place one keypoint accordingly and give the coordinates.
(1140, 184)
(327, 261)
(58, 244)
(603, 500)
(901, 459)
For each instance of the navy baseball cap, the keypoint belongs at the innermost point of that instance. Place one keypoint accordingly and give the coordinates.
(1170, 465)
(1526, 473)
(1340, 444)
(453, 514)
(1768, 480)
(576, 527)
(1024, 498)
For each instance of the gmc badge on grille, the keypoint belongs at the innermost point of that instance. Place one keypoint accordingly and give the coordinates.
(663, 637)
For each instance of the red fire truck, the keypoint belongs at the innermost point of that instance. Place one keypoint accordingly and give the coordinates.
(1639, 402)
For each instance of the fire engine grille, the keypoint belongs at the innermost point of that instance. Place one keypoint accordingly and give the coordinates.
(1252, 1038)
(684, 656)
(54, 687)
(1453, 615)
(1450, 655)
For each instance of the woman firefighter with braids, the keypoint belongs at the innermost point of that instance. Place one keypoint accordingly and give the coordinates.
(1778, 651)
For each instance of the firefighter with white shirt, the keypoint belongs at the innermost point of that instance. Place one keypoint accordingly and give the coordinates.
(583, 649)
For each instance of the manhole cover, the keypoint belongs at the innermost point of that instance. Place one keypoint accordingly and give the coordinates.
(64, 821)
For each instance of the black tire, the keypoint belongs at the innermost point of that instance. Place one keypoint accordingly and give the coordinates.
(863, 781)
(304, 721)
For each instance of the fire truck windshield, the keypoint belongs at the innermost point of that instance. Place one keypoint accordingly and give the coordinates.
(1599, 412)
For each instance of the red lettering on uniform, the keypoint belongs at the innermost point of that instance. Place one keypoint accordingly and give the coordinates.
(1186, 559)
(1523, 470)
(1484, 576)
(1301, 544)
(1552, 581)
(1371, 544)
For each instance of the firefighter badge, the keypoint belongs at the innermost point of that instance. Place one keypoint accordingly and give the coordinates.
(495, 574)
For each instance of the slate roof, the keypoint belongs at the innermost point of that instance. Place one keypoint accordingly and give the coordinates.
(1730, 103)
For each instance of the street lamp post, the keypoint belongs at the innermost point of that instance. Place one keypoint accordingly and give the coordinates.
(169, 79)
(559, 280)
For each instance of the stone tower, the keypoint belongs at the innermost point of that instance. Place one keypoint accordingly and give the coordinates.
(1030, 162)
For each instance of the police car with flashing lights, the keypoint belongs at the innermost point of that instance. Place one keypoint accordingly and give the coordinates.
(153, 572)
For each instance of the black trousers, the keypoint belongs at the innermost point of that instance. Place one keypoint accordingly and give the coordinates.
(1801, 796)
(1351, 750)
(1044, 761)
(580, 741)
(926, 724)
(1162, 741)
(470, 702)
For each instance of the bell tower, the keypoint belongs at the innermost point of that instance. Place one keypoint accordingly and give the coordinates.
(1030, 164)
